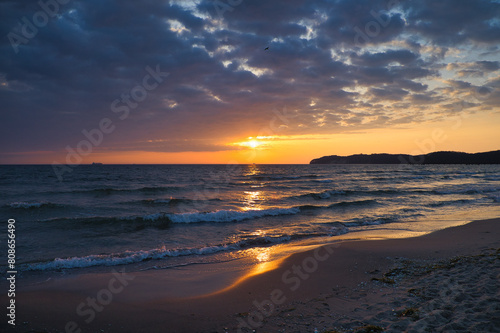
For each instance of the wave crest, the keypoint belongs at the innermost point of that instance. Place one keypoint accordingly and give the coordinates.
(231, 215)
(32, 205)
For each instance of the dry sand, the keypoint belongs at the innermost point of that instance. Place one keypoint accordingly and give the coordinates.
(447, 281)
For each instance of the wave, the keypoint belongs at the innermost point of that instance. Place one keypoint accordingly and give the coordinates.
(327, 194)
(127, 257)
(494, 179)
(112, 190)
(159, 220)
(33, 205)
(160, 201)
(448, 203)
(353, 203)
(337, 228)
(379, 219)
(319, 195)
(172, 201)
(236, 216)
(131, 257)
(339, 204)
(468, 191)
(391, 178)
(164, 220)
(495, 198)
(281, 177)
(231, 215)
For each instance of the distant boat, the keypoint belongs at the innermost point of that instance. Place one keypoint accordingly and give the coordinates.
(96, 163)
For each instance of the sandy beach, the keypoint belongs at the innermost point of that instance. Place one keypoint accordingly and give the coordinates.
(243, 166)
(444, 281)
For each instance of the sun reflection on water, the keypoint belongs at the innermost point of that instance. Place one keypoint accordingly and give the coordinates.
(262, 254)
(253, 170)
(251, 200)
(265, 258)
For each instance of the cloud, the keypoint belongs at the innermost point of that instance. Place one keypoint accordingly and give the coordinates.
(459, 84)
(393, 94)
(173, 146)
(339, 65)
(451, 22)
(402, 57)
(475, 69)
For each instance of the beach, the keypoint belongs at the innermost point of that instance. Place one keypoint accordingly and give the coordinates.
(443, 281)
(248, 166)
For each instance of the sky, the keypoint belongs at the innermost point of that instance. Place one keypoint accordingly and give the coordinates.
(245, 81)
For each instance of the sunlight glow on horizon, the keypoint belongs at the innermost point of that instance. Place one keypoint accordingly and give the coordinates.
(470, 134)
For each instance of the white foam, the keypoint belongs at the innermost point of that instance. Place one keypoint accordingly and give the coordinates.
(27, 205)
(158, 201)
(230, 215)
(129, 257)
(328, 194)
(338, 230)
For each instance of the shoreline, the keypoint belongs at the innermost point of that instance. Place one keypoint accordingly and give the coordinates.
(326, 280)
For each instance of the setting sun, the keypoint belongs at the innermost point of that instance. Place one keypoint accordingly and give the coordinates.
(251, 143)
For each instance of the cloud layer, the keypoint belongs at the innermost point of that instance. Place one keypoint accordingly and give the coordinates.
(336, 66)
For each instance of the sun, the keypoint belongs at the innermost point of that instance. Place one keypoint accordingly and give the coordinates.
(253, 144)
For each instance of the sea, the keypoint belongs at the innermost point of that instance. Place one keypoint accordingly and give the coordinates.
(166, 216)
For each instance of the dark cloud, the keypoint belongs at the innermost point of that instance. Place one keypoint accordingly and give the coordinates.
(489, 66)
(476, 69)
(359, 23)
(402, 57)
(392, 94)
(411, 85)
(459, 84)
(449, 22)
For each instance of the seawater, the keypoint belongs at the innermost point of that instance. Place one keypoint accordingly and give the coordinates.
(162, 216)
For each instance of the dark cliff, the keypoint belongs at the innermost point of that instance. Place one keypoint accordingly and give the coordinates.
(441, 157)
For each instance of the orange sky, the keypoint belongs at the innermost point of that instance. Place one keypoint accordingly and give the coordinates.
(469, 134)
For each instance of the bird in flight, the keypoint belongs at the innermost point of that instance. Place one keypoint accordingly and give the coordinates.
(267, 48)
